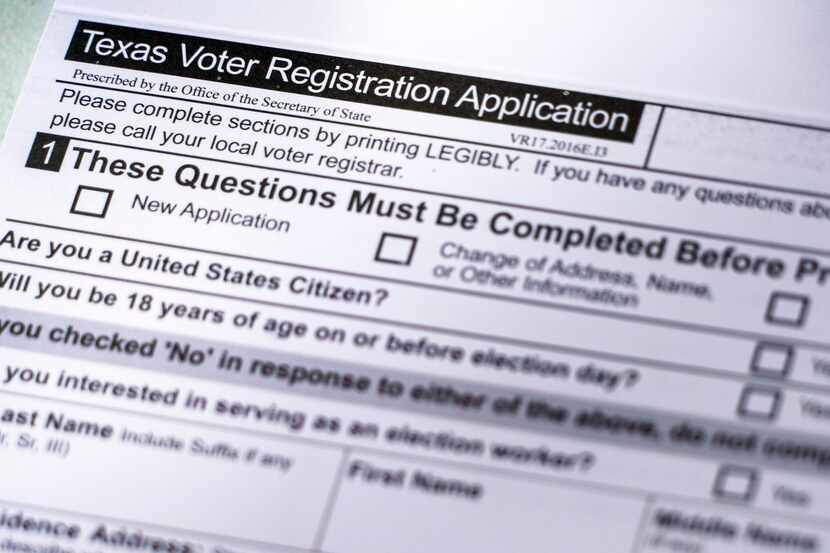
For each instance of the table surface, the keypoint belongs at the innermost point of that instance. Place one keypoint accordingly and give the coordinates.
(21, 22)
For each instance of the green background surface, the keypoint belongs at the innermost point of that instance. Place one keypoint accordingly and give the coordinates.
(21, 23)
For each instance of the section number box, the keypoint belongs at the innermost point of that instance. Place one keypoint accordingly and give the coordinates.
(47, 152)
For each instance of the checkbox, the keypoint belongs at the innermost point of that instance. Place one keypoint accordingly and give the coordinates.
(91, 201)
(736, 483)
(759, 402)
(772, 360)
(396, 248)
(787, 309)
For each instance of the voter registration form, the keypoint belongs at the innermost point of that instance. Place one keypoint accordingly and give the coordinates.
(345, 278)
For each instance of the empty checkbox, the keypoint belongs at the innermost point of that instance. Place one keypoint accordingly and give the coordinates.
(736, 483)
(758, 402)
(91, 201)
(396, 248)
(772, 360)
(787, 309)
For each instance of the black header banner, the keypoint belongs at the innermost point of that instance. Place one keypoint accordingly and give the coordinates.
(359, 81)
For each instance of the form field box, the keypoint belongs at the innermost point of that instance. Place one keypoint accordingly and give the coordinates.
(91, 201)
(736, 483)
(510, 513)
(787, 309)
(772, 360)
(760, 403)
(397, 249)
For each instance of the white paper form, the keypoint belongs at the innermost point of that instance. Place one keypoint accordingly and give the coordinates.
(273, 279)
